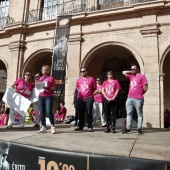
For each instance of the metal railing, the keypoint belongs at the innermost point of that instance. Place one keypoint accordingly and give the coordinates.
(77, 6)
(5, 21)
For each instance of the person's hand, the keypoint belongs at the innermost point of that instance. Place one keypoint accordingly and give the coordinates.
(46, 88)
(28, 92)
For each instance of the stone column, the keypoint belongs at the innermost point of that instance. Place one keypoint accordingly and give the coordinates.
(73, 69)
(150, 57)
(162, 109)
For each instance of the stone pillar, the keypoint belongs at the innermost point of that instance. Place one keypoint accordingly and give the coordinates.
(150, 57)
(162, 109)
(73, 58)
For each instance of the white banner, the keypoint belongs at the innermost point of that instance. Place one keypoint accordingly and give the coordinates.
(15, 100)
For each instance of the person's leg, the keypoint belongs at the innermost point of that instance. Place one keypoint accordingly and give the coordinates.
(89, 108)
(41, 106)
(21, 121)
(113, 105)
(81, 114)
(12, 116)
(95, 109)
(76, 113)
(102, 116)
(138, 103)
(108, 115)
(129, 110)
(48, 107)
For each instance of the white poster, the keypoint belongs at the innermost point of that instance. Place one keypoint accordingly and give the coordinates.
(40, 85)
(34, 95)
(18, 102)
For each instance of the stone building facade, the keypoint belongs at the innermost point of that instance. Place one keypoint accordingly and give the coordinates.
(104, 35)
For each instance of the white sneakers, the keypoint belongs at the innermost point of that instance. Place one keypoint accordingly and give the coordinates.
(43, 130)
(53, 131)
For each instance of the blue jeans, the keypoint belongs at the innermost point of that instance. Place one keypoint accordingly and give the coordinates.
(45, 104)
(131, 104)
(85, 106)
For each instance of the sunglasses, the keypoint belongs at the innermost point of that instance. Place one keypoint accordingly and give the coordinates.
(83, 71)
(133, 69)
(27, 75)
(109, 74)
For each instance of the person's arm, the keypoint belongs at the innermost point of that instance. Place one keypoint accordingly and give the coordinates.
(145, 88)
(104, 94)
(126, 72)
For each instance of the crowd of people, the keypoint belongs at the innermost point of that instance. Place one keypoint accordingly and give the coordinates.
(90, 96)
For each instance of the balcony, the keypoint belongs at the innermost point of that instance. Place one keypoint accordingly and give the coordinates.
(77, 6)
(5, 21)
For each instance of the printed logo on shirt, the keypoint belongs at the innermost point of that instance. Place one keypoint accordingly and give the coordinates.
(133, 84)
(109, 89)
(84, 87)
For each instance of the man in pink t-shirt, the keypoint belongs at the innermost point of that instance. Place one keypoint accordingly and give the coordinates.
(85, 85)
(137, 89)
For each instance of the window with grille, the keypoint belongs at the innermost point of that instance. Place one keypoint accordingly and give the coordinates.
(4, 12)
(50, 8)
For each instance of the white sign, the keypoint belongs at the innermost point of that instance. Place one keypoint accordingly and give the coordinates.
(40, 85)
(34, 95)
(15, 100)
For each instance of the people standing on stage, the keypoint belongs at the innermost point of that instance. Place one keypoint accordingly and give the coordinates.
(98, 103)
(110, 91)
(45, 99)
(137, 89)
(24, 86)
(86, 85)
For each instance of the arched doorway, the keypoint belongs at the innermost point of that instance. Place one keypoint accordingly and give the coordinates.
(166, 82)
(116, 58)
(36, 60)
(3, 79)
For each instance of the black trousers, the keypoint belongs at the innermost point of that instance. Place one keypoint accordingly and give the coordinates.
(85, 107)
(110, 109)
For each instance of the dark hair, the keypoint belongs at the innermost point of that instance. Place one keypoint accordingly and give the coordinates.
(109, 71)
(7, 110)
(58, 108)
(62, 102)
(134, 65)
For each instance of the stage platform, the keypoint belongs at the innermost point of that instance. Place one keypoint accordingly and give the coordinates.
(152, 144)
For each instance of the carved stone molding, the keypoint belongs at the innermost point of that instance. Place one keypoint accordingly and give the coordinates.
(15, 46)
(161, 76)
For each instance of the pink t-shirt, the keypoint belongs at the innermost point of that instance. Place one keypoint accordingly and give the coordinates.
(110, 88)
(136, 85)
(63, 110)
(86, 87)
(22, 87)
(98, 98)
(50, 83)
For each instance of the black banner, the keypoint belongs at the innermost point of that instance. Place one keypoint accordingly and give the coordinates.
(22, 157)
(63, 24)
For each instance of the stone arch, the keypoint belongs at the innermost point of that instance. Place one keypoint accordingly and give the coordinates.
(5, 63)
(163, 57)
(35, 57)
(93, 51)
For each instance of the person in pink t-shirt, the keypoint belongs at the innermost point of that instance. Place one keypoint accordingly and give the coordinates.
(137, 89)
(85, 85)
(110, 91)
(24, 86)
(98, 103)
(60, 112)
(45, 98)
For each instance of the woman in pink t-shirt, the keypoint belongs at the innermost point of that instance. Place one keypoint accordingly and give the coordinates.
(110, 91)
(45, 99)
(24, 86)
